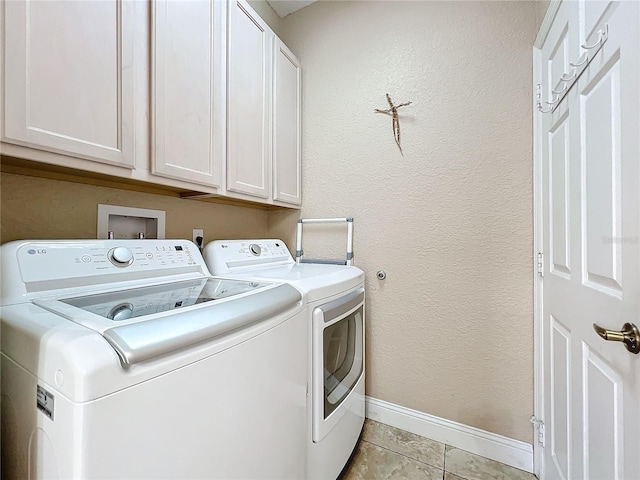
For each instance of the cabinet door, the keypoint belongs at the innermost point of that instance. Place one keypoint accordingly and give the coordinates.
(188, 94)
(249, 96)
(286, 126)
(68, 78)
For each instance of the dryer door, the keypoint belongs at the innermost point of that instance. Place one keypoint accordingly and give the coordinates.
(338, 358)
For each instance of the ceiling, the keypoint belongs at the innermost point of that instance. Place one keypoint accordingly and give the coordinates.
(285, 7)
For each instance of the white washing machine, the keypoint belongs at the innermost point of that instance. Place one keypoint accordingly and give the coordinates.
(126, 359)
(334, 295)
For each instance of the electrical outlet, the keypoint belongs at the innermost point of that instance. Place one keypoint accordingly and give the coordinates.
(198, 232)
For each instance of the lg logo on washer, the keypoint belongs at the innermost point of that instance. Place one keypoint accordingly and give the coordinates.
(31, 251)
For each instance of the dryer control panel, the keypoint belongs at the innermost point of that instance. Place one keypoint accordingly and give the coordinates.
(228, 256)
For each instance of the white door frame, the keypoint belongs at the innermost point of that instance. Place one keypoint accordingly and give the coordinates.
(538, 333)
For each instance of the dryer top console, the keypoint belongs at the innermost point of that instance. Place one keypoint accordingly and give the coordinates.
(236, 256)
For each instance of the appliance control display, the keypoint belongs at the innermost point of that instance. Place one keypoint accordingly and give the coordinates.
(234, 255)
(41, 261)
(258, 248)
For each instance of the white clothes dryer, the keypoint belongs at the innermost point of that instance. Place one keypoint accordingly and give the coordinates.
(334, 296)
(127, 359)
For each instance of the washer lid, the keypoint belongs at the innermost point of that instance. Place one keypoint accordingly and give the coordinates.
(151, 321)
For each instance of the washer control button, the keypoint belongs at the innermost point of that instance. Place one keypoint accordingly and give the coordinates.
(86, 258)
(255, 249)
(121, 256)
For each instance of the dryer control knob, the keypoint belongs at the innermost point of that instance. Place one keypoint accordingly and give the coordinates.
(255, 249)
(121, 256)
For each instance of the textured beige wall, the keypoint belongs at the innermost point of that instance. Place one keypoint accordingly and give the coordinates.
(450, 332)
(37, 208)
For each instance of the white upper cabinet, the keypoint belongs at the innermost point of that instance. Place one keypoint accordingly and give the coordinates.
(195, 95)
(286, 126)
(249, 97)
(264, 98)
(188, 88)
(68, 78)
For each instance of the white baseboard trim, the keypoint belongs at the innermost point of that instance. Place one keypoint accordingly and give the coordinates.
(486, 444)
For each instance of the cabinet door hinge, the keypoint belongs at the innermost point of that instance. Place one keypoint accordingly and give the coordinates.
(539, 425)
(540, 264)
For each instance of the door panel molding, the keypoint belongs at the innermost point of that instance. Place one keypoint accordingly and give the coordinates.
(601, 190)
(560, 438)
(602, 417)
(559, 201)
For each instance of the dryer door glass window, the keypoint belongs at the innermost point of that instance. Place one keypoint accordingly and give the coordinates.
(343, 359)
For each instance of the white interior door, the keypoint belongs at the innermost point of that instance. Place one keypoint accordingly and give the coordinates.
(590, 157)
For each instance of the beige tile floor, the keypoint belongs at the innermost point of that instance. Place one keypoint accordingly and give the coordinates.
(385, 452)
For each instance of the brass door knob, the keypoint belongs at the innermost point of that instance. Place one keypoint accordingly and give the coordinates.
(629, 335)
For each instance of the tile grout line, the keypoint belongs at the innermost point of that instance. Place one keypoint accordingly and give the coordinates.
(404, 455)
(444, 463)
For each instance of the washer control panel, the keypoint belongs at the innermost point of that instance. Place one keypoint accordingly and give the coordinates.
(226, 256)
(57, 260)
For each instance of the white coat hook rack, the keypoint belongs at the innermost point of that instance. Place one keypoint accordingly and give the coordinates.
(567, 80)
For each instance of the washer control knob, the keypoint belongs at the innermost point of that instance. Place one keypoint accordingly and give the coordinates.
(121, 256)
(255, 249)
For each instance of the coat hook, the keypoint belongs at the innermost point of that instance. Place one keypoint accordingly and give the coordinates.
(553, 100)
(581, 61)
(564, 87)
(602, 34)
